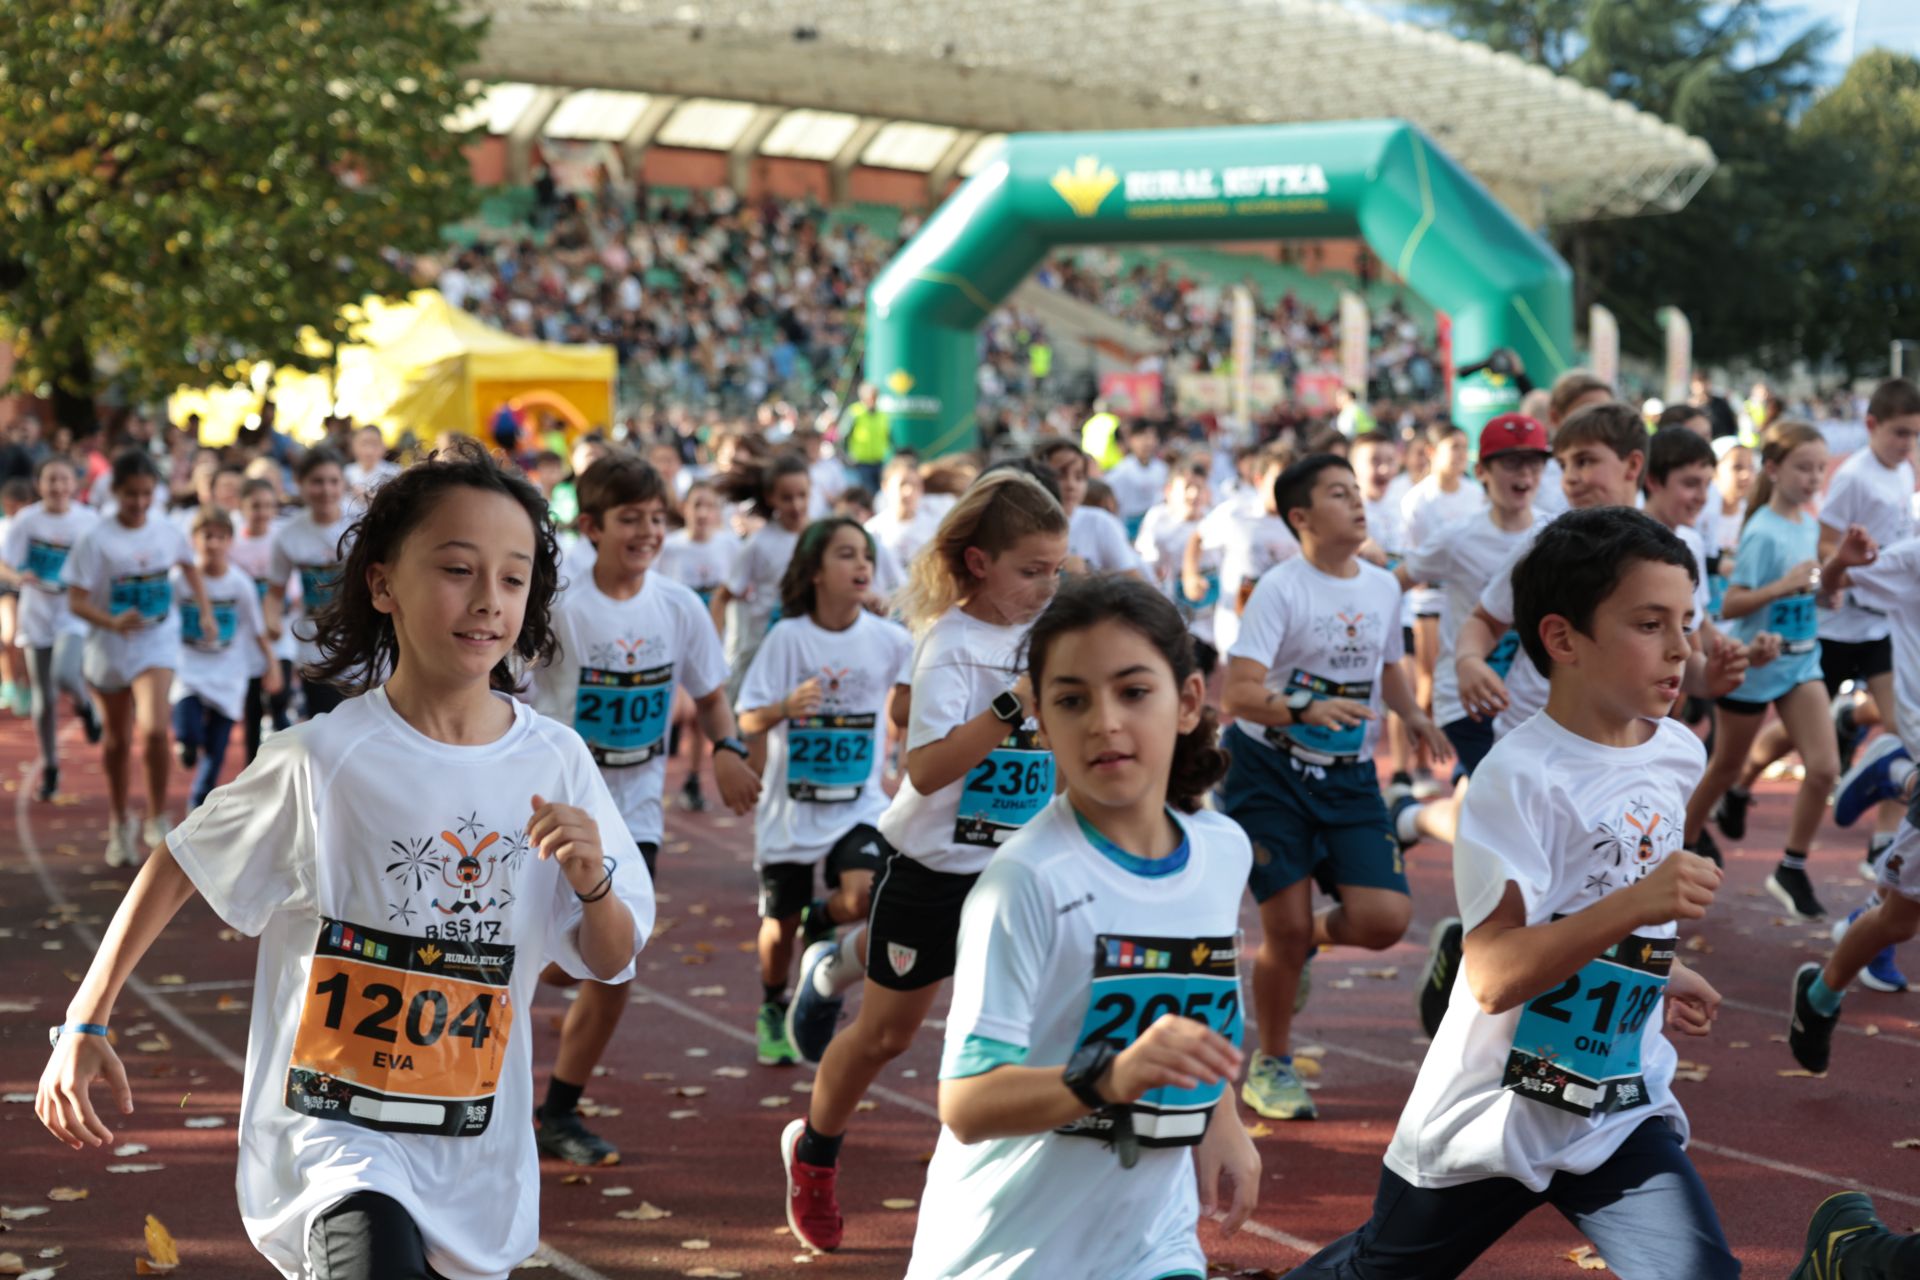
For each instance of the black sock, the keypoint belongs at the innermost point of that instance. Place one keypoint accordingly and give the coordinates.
(562, 1097)
(774, 995)
(673, 741)
(1793, 860)
(1876, 1255)
(817, 1148)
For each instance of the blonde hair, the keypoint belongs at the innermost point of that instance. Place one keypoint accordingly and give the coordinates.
(1781, 439)
(995, 512)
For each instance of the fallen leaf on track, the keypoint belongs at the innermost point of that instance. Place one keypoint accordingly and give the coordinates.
(696, 1244)
(616, 1192)
(708, 993)
(24, 1211)
(682, 1115)
(1586, 1259)
(135, 1168)
(1798, 1073)
(731, 1073)
(1387, 974)
(206, 1122)
(130, 1149)
(18, 1006)
(171, 980)
(67, 1195)
(644, 1212)
(696, 1053)
(713, 1272)
(576, 1180)
(775, 1100)
(689, 1090)
(12, 1264)
(1700, 944)
(1871, 1029)
(17, 1099)
(162, 1254)
(1258, 1130)
(1907, 1144)
(899, 1203)
(1307, 1068)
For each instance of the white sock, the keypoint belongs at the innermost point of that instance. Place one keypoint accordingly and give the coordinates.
(1408, 827)
(1899, 771)
(845, 969)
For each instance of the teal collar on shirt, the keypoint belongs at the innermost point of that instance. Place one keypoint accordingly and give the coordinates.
(1172, 864)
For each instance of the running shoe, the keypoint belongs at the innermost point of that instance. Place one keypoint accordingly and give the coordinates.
(49, 782)
(813, 1211)
(153, 832)
(89, 718)
(1849, 733)
(690, 797)
(568, 1138)
(1274, 1091)
(1809, 1032)
(812, 1016)
(774, 1049)
(1794, 891)
(815, 924)
(1707, 847)
(1443, 966)
(1869, 781)
(119, 847)
(186, 752)
(1882, 972)
(1870, 865)
(1730, 815)
(22, 700)
(1838, 1221)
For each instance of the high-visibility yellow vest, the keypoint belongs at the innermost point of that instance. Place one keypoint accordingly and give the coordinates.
(1100, 440)
(869, 439)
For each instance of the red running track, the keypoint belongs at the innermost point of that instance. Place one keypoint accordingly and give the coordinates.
(1769, 1146)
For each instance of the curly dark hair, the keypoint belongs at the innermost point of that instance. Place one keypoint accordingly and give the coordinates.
(1199, 762)
(358, 647)
(796, 585)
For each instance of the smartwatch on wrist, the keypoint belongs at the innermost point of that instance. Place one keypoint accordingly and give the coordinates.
(1297, 702)
(1086, 1068)
(1006, 705)
(734, 745)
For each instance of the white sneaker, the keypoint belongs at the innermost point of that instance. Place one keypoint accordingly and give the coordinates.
(119, 853)
(153, 832)
(130, 836)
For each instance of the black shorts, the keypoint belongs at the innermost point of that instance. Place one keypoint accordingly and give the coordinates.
(913, 926)
(1205, 657)
(367, 1236)
(1742, 707)
(650, 854)
(787, 887)
(1859, 660)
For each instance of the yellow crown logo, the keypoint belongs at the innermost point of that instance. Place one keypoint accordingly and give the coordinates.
(1200, 953)
(1085, 186)
(429, 954)
(900, 382)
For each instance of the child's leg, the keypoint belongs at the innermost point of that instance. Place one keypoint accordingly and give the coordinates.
(850, 898)
(1889, 922)
(116, 745)
(1769, 746)
(13, 670)
(1738, 727)
(186, 726)
(151, 724)
(216, 731)
(1887, 817)
(1806, 717)
(367, 1236)
(1646, 1210)
(1366, 917)
(785, 890)
(883, 1030)
(1421, 1234)
(279, 704)
(46, 700)
(1287, 929)
(585, 1034)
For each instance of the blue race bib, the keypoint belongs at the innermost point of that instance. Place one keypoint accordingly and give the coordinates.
(46, 560)
(1312, 743)
(226, 616)
(1577, 1048)
(1500, 658)
(1716, 593)
(1003, 792)
(1133, 524)
(829, 757)
(317, 583)
(148, 594)
(1136, 982)
(623, 714)
(260, 586)
(1796, 621)
(1206, 601)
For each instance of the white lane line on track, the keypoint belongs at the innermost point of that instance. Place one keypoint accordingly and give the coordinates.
(1800, 1171)
(156, 999)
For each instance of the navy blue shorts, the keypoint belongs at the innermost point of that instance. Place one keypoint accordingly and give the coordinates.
(1471, 740)
(1299, 815)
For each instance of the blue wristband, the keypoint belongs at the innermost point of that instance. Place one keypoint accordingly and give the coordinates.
(85, 1028)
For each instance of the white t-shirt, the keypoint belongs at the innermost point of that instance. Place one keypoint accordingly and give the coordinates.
(1048, 909)
(357, 848)
(1880, 500)
(1330, 635)
(255, 555)
(1568, 821)
(100, 496)
(1250, 540)
(1463, 557)
(1426, 509)
(1388, 532)
(1526, 687)
(1162, 545)
(613, 681)
(122, 569)
(1137, 485)
(701, 566)
(754, 583)
(362, 481)
(959, 666)
(823, 773)
(1099, 539)
(313, 552)
(1702, 586)
(1550, 499)
(216, 669)
(1892, 584)
(903, 539)
(39, 543)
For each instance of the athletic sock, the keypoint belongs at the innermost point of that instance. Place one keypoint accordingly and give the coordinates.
(1899, 771)
(1793, 860)
(562, 1098)
(1407, 826)
(1878, 1255)
(1740, 792)
(818, 1149)
(774, 995)
(1877, 844)
(1825, 1000)
(844, 969)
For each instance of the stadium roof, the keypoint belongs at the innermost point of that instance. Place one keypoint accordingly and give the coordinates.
(946, 74)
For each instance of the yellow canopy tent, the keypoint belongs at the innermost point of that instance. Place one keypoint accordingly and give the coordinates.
(426, 367)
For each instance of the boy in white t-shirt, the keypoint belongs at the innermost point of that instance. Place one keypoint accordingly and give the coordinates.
(1139, 479)
(312, 545)
(1245, 537)
(369, 468)
(210, 684)
(627, 638)
(1550, 1082)
(1316, 663)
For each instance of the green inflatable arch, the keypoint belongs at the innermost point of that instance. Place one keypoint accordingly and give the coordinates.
(1431, 222)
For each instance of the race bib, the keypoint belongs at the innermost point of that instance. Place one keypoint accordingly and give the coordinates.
(1716, 593)
(1577, 1048)
(1206, 601)
(148, 594)
(1133, 524)
(260, 586)
(1501, 656)
(46, 560)
(829, 758)
(317, 583)
(1796, 622)
(1137, 981)
(1004, 791)
(1315, 744)
(401, 1035)
(623, 714)
(226, 616)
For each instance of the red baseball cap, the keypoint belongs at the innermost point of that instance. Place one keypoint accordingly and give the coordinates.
(1513, 433)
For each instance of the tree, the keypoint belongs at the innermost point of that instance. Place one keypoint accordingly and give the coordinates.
(188, 183)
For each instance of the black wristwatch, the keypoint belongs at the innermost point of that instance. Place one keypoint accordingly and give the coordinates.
(1086, 1068)
(1298, 701)
(734, 745)
(1006, 705)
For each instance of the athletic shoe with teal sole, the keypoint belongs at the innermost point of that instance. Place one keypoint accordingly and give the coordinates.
(1276, 1092)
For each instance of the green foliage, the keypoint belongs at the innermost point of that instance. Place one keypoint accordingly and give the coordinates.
(187, 183)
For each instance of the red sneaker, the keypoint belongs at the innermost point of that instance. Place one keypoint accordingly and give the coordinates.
(813, 1211)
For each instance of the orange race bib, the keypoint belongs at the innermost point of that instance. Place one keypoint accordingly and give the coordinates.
(402, 1034)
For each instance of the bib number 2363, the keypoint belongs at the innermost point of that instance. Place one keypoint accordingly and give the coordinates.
(401, 1035)
(1577, 1047)
(1004, 791)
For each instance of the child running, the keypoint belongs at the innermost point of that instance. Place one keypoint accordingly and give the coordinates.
(823, 688)
(975, 775)
(38, 542)
(1096, 539)
(1162, 543)
(119, 580)
(1776, 573)
(1096, 1010)
(17, 493)
(1139, 479)
(627, 639)
(408, 862)
(699, 555)
(1316, 660)
(1550, 1081)
(253, 552)
(313, 545)
(748, 602)
(210, 685)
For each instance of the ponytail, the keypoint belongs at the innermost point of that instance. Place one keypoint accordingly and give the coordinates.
(1781, 439)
